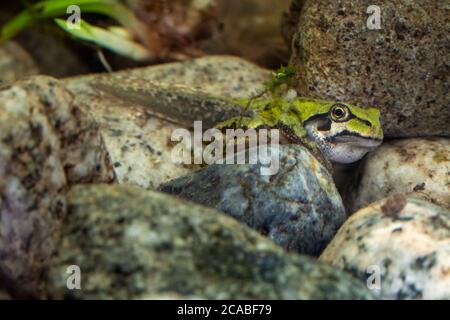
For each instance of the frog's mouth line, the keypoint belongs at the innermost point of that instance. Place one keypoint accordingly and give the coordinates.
(357, 140)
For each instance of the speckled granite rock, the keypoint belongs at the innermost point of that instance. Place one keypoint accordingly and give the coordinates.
(138, 141)
(15, 63)
(405, 239)
(299, 207)
(133, 243)
(289, 20)
(419, 166)
(402, 68)
(225, 76)
(220, 75)
(46, 144)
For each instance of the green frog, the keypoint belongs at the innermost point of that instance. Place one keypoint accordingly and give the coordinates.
(343, 133)
(332, 131)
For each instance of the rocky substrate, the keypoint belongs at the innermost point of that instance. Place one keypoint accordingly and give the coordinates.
(401, 68)
(87, 180)
(52, 140)
(298, 207)
(135, 244)
(419, 167)
(404, 241)
(47, 143)
(138, 140)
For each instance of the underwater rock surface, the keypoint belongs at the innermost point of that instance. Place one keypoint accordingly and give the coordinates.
(133, 243)
(298, 207)
(138, 141)
(78, 155)
(405, 239)
(401, 68)
(15, 63)
(46, 143)
(419, 166)
(222, 75)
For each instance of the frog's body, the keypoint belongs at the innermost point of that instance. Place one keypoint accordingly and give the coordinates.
(301, 120)
(343, 133)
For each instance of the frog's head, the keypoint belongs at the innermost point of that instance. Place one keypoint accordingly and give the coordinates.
(343, 132)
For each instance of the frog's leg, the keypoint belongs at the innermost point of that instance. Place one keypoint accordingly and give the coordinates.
(292, 126)
(242, 122)
(296, 133)
(239, 122)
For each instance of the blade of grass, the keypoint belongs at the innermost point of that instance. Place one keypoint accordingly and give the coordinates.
(17, 24)
(111, 8)
(106, 39)
(55, 8)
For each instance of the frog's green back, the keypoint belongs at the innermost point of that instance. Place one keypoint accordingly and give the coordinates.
(364, 121)
(273, 109)
(308, 108)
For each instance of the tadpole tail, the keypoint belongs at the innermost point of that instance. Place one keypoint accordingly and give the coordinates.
(175, 103)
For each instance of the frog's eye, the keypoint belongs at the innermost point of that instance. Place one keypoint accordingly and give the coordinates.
(339, 112)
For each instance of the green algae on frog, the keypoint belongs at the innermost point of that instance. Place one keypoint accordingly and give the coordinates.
(342, 132)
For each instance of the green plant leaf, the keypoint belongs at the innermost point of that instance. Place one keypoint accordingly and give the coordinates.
(112, 40)
(55, 8)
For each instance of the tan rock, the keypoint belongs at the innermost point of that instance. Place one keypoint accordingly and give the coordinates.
(144, 244)
(419, 166)
(138, 140)
(47, 143)
(399, 246)
(15, 63)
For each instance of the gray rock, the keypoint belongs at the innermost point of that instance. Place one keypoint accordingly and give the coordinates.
(47, 143)
(399, 245)
(412, 166)
(135, 244)
(15, 63)
(298, 207)
(402, 68)
(138, 140)
(224, 76)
